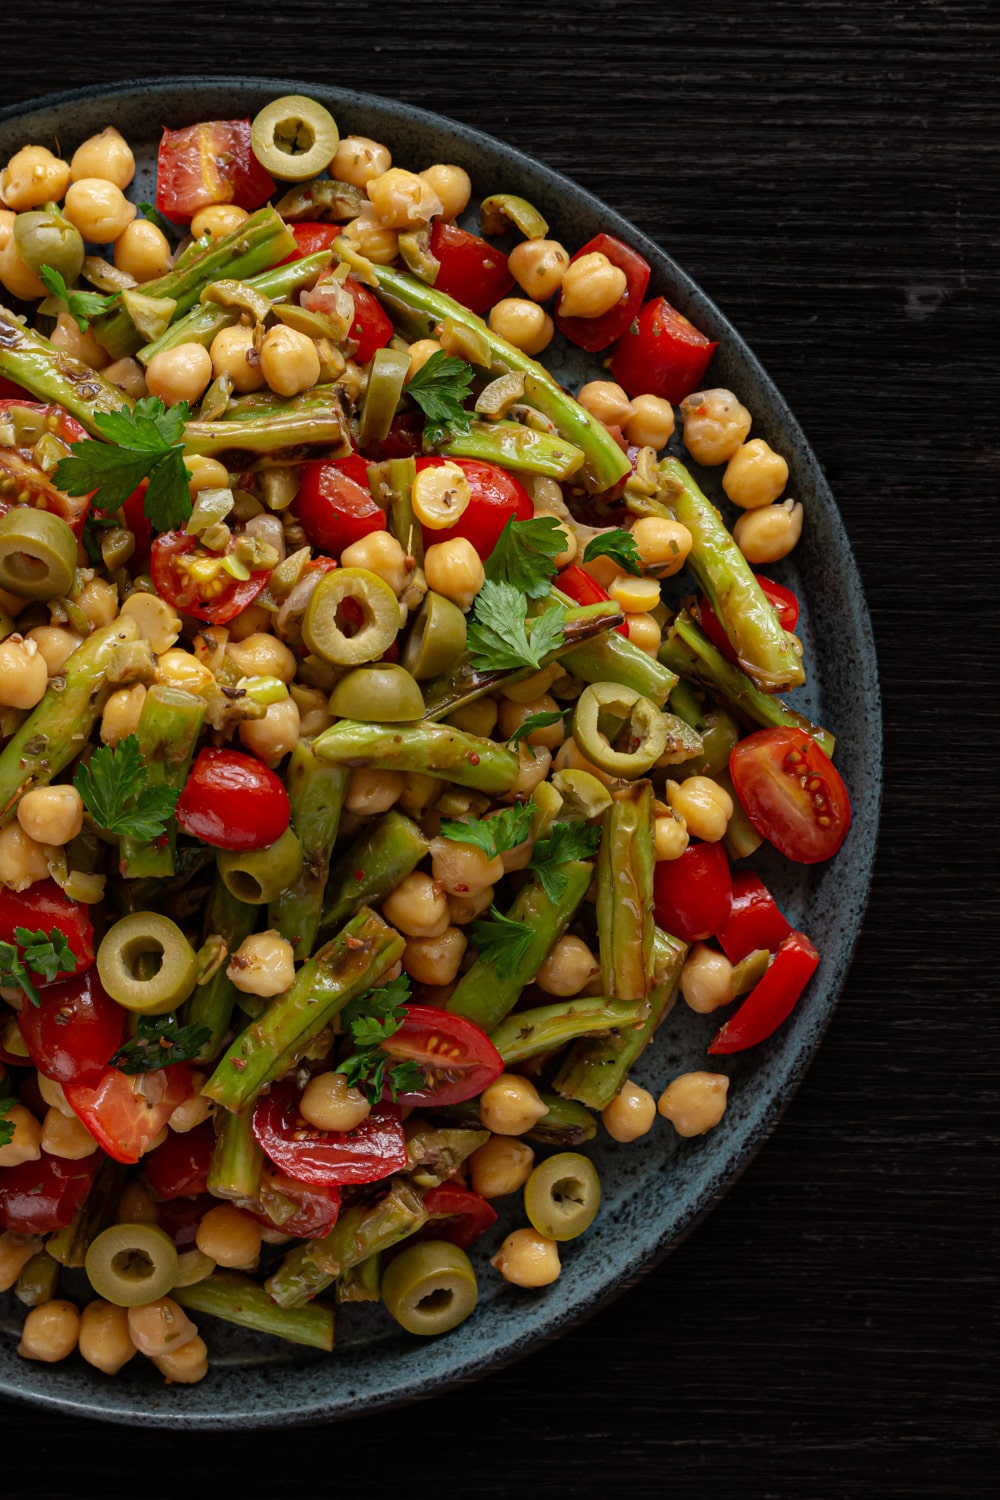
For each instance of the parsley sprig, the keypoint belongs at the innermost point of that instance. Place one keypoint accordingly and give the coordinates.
(566, 841)
(372, 1019)
(493, 835)
(523, 555)
(540, 720)
(143, 443)
(34, 953)
(500, 638)
(113, 787)
(620, 546)
(502, 941)
(82, 306)
(439, 387)
(157, 1043)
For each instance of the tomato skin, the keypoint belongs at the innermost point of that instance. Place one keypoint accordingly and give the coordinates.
(662, 354)
(334, 503)
(372, 327)
(124, 1112)
(782, 600)
(772, 999)
(212, 162)
(179, 1168)
(459, 1060)
(44, 905)
(584, 589)
(75, 1030)
(180, 1217)
(233, 801)
(497, 497)
(693, 895)
(30, 485)
(39, 1197)
(376, 1149)
(594, 334)
(317, 1211)
(195, 598)
(310, 238)
(754, 920)
(458, 1214)
(472, 271)
(405, 440)
(786, 784)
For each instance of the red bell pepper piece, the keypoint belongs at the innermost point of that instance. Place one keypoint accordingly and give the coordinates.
(772, 1000)
(584, 589)
(594, 334)
(754, 919)
(661, 354)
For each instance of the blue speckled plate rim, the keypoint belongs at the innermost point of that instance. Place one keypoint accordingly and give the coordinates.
(629, 1268)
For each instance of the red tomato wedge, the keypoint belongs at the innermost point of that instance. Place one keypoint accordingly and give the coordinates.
(772, 999)
(472, 271)
(44, 906)
(22, 480)
(376, 1149)
(661, 354)
(782, 601)
(692, 895)
(179, 1168)
(497, 497)
(335, 504)
(233, 801)
(125, 1112)
(754, 920)
(792, 793)
(312, 237)
(457, 1214)
(458, 1059)
(303, 1209)
(74, 1031)
(195, 581)
(372, 327)
(593, 334)
(39, 1197)
(209, 163)
(584, 589)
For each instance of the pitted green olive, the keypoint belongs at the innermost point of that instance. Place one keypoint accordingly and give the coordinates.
(430, 1288)
(258, 876)
(330, 627)
(436, 639)
(294, 138)
(44, 238)
(381, 694)
(37, 554)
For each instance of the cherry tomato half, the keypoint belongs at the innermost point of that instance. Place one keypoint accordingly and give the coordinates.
(376, 1149)
(179, 567)
(125, 1112)
(75, 1030)
(458, 1059)
(335, 504)
(692, 895)
(179, 1168)
(39, 1197)
(233, 801)
(661, 353)
(584, 589)
(754, 919)
(22, 480)
(372, 327)
(593, 334)
(792, 793)
(457, 1214)
(782, 601)
(772, 999)
(303, 1209)
(497, 498)
(212, 162)
(311, 237)
(472, 271)
(43, 906)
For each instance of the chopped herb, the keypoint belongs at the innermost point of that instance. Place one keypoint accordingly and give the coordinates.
(82, 306)
(567, 841)
(39, 955)
(92, 528)
(500, 638)
(439, 387)
(523, 555)
(113, 787)
(620, 546)
(158, 1043)
(154, 216)
(501, 941)
(372, 1019)
(533, 722)
(145, 442)
(7, 1100)
(493, 835)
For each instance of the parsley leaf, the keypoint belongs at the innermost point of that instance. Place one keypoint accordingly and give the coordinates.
(567, 841)
(439, 387)
(6, 1100)
(372, 1019)
(157, 1043)
(502, 941)
(92, 528)
(620, 546)
(146, 442)
(39, 955)
(500, 638)
(113, 787)
(150, 212)
(82, 306)
(523, 555)
(533, 722)
(493, 835)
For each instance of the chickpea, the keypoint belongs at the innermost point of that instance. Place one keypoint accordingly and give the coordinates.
(464, 909)
(66, 1137)
(454, 569)
(569, 966)
(24, 674)
(359, 160)
(463, 869)
(380, 553)
(135, 1206)
(105, 1341)
(479, 717)
(263, 964)
(420, 353)
(218, 220)
(128, 375)
(99, 210)
(15, 1252)
(160, 1327)
(272, 737)
(524, 324)
(372, 239)
(54, 1096)
(33, 176)
(510, 1105)
(233, 354)
(83, 346)
(50, 1332)
(769, 534)
(328, 1103)
(715, 425)
(453, 187)
(370, 792)
(706, 979)
(121, 714)
(644, 632)
(755, 475)
(571, 758)
(637, 596)
(185, 1366)
(705, 806)
(513, 715)
(591, 286)
(630, 1114)
(314, 715)
(142, 250)
(208, 474)
(501, 1166)
(98, 599)
(529, 689)
(418, 906)
(526, 1258)
(650, 422)
(18, 278)
(670, 836)
(56, 643)
(607, 402)
(178, 668)
(435, 960)
(229, 1236)
(179, 374)
(261, 655)
(663, 545)
(289, 360)
(51, 814)
(401, 199)
(194, 1110)
(22, 863)
(155, 620)
(538, 267)
(694, 1102)
(107, 155)
(250, 621)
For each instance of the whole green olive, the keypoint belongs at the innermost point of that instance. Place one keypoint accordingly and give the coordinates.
(44, 238)
(384, 693)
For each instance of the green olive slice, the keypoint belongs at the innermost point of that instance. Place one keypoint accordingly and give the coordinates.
(584, 797)
(719, 733)
(131, 1264)
(37, 554)
(632, 716)
(294, 138)
(45, 238)
(500, 210)
(147, 964)
(562, 1195)
(430, 1288)
(389, 370)
(436, 639)
(417, 255)
(325, 625)
(381, 694)
(258, 876)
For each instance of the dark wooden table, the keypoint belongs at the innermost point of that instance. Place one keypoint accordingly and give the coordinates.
(828, 172)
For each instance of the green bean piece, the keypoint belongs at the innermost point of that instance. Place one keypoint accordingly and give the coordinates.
(484, 996)
(352, 962)
(237, 1299)
(512, 446)
(131, 1264)
(436, 641)
(611, 658)
(316, 792)
(632, 715)
(562, 1196)
(322, 629)
(583, 796)
(37, 554)
(293, 428)
(625, 893)
(529, 1033)
(258, 876)
(150, 988)
(361, 1283)
(565, 1122)
(69, 1246)
(716, 728)
(434, 749)
(385, 387)
(237, 1159)
(380, 857)
(741, 837)
(211, 1004)
(383, 692)
(169, 725)
(51, 375)
(500, 210)
(430, 1288)
(391, 485)
(38, 1282)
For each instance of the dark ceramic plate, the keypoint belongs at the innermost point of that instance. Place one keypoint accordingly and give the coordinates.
(656, 1189)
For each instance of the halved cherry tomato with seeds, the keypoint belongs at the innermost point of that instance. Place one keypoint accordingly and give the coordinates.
(298, 1208)
(792, 793)
(126, 1112)
(197, 581)
(209, 163)
(458, 1059)
(375, 1149)
(22, 480)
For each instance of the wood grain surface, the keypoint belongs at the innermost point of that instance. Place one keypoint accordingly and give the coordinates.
(828, 172)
